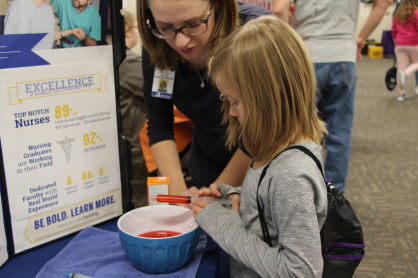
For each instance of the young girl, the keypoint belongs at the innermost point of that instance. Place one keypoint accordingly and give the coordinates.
(266, 76)
(405, 36)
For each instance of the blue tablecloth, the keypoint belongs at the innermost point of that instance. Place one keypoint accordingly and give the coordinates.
(214, 262)
(99, 254)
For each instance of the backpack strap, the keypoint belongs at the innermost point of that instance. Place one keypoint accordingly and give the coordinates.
(264, 228)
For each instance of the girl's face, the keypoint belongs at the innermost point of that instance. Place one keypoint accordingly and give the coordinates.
(236, 107)
(176, 14)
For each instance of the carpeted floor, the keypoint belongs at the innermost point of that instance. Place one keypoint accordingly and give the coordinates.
(383, 177)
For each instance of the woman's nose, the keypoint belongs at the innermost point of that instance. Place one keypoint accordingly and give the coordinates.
(182, 40)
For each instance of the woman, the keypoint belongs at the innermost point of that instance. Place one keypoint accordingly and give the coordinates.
(179, 35)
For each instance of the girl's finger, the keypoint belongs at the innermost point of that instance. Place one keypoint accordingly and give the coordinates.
(204, 192)
(200, 204)
(235, 205)
(214, 188)
(234, 196)
(196, 209)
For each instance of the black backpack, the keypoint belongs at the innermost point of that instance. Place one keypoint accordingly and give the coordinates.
(390, 77)
(342, 238)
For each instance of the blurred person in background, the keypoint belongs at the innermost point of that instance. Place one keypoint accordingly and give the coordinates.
(405, 36)
(132, 105)
(328, 31)
(80, 15)
(376, 14)
(28, 17)
(398, 3)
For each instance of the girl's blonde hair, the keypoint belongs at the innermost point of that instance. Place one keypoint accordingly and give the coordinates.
(162, 55)
(405, 13)
(268, 65)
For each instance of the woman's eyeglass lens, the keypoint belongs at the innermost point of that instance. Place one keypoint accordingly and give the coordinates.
(189, 30)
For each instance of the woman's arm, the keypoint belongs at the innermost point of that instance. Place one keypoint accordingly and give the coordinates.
(234, 172)
(161, 131)
(168, 162)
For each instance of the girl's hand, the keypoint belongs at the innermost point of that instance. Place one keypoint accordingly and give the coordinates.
(236, 198)
(198, 206)
(211, 192)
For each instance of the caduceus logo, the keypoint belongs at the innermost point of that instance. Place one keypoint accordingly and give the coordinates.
(66, 146)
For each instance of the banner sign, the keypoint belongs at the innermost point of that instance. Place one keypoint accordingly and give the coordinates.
(4, 255)
(59, 139)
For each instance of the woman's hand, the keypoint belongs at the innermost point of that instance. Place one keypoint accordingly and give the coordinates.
(188, 192)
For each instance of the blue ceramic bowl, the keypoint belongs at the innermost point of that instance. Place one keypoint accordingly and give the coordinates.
(158, 255)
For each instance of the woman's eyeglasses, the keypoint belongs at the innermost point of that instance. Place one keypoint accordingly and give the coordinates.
(193, 29)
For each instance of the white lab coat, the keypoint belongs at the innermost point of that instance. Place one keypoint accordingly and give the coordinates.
(24, 17)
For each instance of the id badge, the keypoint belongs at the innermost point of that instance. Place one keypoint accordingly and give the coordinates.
(163, 84)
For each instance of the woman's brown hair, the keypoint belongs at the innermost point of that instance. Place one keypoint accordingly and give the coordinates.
(165, 57)
(405, 13)
(268, 66)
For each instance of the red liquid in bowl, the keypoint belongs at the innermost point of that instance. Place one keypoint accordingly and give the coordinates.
(159, 234)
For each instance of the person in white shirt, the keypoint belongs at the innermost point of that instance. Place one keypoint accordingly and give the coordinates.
(31, 16)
